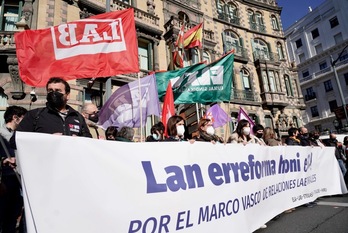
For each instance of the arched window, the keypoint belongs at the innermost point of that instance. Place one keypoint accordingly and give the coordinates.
(258, 18)
(275, 23)
(251, 16)
(265, 81)
(278, 83)
(272, 83)
(183, 17)
(232, 42)
(232, 10)
(245, 77)
(280, 50)
(220, 6)
(261, 49)
(206, 57)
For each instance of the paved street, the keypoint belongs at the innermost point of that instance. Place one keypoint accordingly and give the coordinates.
(330, 215)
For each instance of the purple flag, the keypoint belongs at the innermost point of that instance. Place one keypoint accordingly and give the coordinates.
(217, 115)
(243, 115)
(123, 106)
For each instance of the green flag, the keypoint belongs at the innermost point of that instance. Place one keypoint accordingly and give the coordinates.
(199, 83)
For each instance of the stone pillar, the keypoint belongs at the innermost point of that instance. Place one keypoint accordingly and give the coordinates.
(17, 84)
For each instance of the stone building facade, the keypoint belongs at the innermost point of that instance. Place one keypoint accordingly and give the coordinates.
(264, 82)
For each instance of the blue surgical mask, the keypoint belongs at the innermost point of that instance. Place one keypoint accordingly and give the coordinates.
(155, 136)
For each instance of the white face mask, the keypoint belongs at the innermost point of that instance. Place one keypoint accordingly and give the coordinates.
(210, 130)
(155, 136)
(180, 129)
(246, 130)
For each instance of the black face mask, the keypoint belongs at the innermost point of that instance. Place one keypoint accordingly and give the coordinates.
(316, 136)
(259, 135)
(55, 99)
(93, 117)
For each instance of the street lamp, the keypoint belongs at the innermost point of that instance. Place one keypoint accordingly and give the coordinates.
(333, 64)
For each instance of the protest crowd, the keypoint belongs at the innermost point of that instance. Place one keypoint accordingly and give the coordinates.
(60, 119)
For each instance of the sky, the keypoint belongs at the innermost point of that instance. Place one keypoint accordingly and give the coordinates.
(295, 9)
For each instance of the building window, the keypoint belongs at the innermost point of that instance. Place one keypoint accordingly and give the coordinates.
(295, 123)
(328, 86)
(305, 74)
(310, 91)
(278, 85)
(333, 105)
(301, 57)
(314, 111)
(318, 49)
(310, 94)
(322, 65)
(338, 38)
(275, 23)
(144, 53)
(245, 79)
(265, 81)
(227, 12)
(315, 33)
(346, 78)
(206, 57)
(288, 86)
(261, 49)
(280, 50)
(298, 43)
(10, 14)
(272, 83)
(268, 121)
(344, 56)
(232, 41)
(334, 22)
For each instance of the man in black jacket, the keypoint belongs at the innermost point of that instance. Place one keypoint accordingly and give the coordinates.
(57, 117)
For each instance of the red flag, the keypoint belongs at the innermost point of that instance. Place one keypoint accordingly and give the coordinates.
(193, 37)
(100, 46)
(168, 106)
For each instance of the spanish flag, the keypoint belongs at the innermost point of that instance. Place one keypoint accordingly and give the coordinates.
(193, 37)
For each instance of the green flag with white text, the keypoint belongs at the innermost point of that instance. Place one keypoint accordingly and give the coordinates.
(199, 83)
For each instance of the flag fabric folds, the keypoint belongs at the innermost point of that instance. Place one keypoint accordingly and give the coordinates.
(179, 44)
(123, 106)
(100, 46)
(217, 115)
(199, 83)
(168, 107)
(193, 37)
(242, 114)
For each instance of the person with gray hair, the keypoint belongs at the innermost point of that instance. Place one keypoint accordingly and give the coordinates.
(125, 134)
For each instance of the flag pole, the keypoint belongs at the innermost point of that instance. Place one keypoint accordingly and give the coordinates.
(140, 110)
(226, 128)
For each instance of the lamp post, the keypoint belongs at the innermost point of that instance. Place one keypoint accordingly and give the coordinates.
(333, 64)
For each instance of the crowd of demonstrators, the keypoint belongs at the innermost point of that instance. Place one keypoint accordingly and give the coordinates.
(157, 133)
(270, 137)
(90, 113)
(303, 136)
(339, 151)
(314, 139)
(206, 132)
(242, 133)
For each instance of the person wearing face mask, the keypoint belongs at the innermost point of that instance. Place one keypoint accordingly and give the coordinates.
(156, 133)
(90, 113)
(314, 139)
(13, 116)
(259, 132)
(206, 132)
(304, 136)
(175, 128)
(242, 133)
(57, 117)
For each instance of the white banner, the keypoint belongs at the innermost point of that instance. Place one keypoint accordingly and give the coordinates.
(74, 184)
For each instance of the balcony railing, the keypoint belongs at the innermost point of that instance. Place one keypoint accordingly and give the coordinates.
(257, 27)
(266, 56)
(7, 40)
(310, 97)
(245, 95)
(233, 20)
(239, 50)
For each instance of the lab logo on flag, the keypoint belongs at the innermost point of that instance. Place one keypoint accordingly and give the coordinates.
(84, 37)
